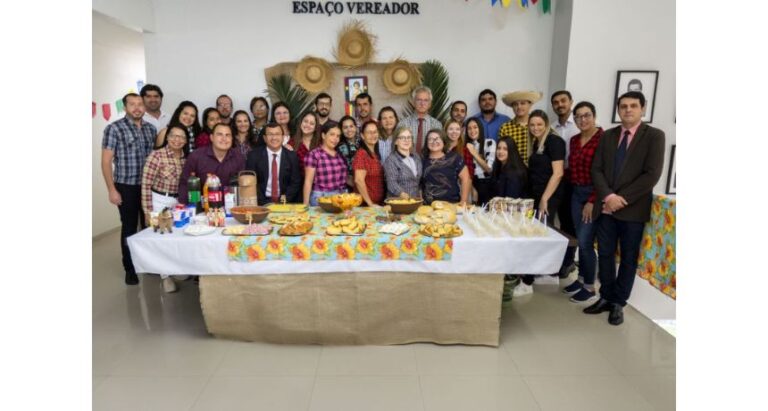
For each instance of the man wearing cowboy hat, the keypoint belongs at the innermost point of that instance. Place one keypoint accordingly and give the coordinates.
(420, 122)
(517, 128)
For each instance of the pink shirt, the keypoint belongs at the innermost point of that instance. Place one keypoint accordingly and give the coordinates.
(632, 132)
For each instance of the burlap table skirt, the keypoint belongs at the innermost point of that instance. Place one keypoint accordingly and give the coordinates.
(380, 308)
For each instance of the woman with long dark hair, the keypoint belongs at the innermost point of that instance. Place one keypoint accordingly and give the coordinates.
(483, 154)
(446, 177)
(326, 171)
(281, 115)
(387, 123)
(241, 132)
(211, 117)
(369, 174)
(306, 138)
(185, 115)
(348, 145)
(509, 176)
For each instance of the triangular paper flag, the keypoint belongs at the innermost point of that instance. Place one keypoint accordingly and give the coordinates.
(93, 109)
(120, 107)
(106, 111)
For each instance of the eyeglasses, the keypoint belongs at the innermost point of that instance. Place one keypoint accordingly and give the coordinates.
(405, 138)
(422, 100)
(583, 117)
(434, 139)
(170, 136)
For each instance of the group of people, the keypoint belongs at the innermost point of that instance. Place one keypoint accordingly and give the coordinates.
(567, 166)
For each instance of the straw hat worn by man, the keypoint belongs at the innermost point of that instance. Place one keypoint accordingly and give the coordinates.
(517, 128)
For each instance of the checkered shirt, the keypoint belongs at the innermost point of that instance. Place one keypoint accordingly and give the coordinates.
(400, 177)
(330, 171)
(161, 173)
(412, 122)
(374, 176)
(580, 160)
(131, 145)
(519, 134)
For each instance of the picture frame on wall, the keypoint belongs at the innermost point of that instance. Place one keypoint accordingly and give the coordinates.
(672, 173)
(353, 86)
(644, 81)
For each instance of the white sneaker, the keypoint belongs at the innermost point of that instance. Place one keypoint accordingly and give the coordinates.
(522, 289)
(169, 286)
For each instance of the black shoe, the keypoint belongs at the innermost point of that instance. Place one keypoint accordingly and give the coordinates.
(616, 316)
(602, 305)
(131, 278)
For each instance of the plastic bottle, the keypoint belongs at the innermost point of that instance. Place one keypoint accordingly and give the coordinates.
(193, 192)
(215, 192)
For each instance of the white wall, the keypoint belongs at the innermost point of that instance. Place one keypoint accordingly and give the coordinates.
(201, 49)
(611, 35)
(118, 62)
(134, 14)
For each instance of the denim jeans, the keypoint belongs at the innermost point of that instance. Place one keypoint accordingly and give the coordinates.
(585, 233)
(314, 195)
(614, 287)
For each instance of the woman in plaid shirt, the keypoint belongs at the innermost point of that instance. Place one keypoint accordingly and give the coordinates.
(326, 171)
(160, 179)
(582, 152)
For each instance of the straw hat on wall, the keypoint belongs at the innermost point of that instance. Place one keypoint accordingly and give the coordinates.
(400, 77)
(532, 96)
(356, 46)
(314, 74)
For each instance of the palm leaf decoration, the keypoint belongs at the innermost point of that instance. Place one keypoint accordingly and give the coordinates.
(282, 88)
(435, 76)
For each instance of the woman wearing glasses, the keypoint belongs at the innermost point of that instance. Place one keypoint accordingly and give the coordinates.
(403, 168)
(446, 177)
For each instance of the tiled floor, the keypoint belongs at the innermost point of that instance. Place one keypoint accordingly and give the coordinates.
(151, 351)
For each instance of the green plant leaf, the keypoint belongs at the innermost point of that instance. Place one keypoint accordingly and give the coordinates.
(435, 76)
(282, 88)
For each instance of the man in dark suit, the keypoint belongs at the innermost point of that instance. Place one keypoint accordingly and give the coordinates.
(273, 159)
(628, 163)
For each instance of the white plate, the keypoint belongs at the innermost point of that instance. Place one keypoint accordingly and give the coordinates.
(197, 229)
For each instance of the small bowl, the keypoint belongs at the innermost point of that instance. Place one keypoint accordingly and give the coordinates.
(404, 208)
(258, 214)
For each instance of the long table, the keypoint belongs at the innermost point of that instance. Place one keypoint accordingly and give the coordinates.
(351, 302)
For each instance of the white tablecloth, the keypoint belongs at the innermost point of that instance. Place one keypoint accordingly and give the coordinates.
(177, 253)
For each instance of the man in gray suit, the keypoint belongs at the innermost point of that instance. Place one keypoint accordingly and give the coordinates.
(628, 163)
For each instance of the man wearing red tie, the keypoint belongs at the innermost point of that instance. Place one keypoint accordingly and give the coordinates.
(420, 122)
(277, 170)
(628, 163)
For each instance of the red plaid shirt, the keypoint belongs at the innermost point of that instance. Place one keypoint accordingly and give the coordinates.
(469, 161)
(374, 176)
(580, 160)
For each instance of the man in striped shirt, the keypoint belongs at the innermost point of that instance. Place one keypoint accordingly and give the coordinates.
(127, 143)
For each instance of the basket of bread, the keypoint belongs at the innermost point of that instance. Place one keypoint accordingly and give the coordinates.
(439, 212)
(340, 202)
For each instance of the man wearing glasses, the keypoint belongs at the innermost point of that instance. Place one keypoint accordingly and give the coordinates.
(420, 122)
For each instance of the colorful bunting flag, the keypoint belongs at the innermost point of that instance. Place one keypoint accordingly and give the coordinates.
(106, 111)
(93, 109)
(120, 106)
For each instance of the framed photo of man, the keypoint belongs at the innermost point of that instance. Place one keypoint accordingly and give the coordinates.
(644, 81)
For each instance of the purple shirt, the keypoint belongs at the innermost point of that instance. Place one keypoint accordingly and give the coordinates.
(330, 171)
(202, 161)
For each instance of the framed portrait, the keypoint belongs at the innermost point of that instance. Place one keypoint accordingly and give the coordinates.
(644, 81)
(354, 86)
(672, 173)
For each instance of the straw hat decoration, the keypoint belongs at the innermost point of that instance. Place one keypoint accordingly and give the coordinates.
(400, 77)
(356, 45)
(314, 74)
(532, 96)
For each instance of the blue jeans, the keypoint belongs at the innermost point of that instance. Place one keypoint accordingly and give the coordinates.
(314, 195)
(610, 232)
(585, 233)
